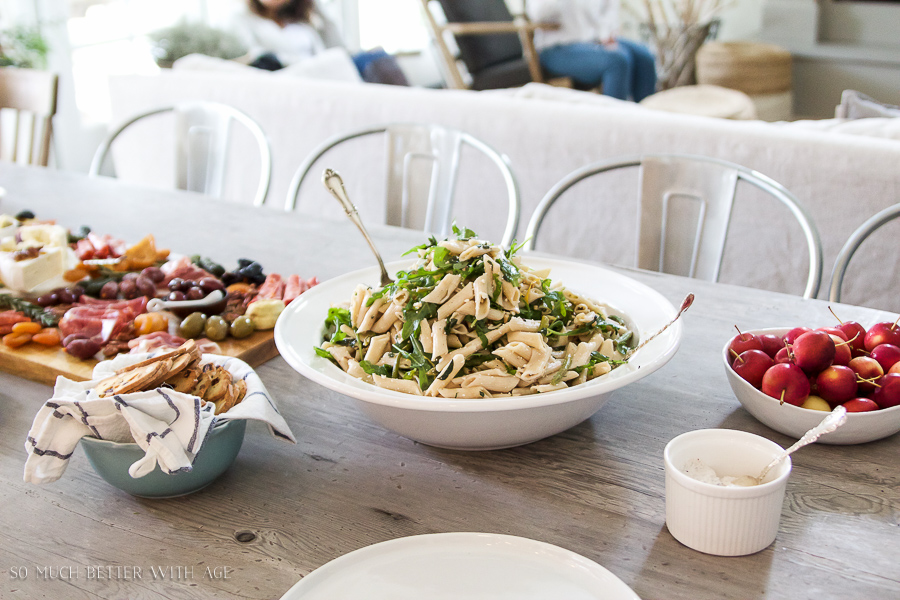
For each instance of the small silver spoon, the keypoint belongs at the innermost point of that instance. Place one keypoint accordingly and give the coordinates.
(334, 184)
(834, 420)
(157, 304)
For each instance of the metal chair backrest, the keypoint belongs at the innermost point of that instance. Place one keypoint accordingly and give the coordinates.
(852, 245)
(684, 212)
(202, 132)
(31, 94)
(407, 143)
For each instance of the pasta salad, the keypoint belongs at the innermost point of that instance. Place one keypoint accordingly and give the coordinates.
(470, 320)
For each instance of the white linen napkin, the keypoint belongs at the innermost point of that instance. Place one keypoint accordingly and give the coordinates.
(169, 426)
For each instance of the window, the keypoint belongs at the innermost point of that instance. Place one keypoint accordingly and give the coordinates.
(395, 25)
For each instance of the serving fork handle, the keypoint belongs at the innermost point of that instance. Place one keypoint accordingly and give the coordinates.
(335, 185)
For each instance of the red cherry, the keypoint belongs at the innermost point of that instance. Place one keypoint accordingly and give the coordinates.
(887, 355)
(784, 356)
(834, 331)
(882, 333)
(860, 405)
(856, 335)
(866, 368)
(842, 353)
(741, 343)
(794, 333)
(786, 382)
(887, 391)
(813, 351)
(771, 344)
(837, 384)
(752, 365)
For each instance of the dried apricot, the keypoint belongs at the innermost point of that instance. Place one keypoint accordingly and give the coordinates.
(14, 340)
(27, 327)
(49, 336)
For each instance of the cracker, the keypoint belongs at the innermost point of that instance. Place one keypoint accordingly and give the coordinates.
(240, 388)
(185, 380)
(203, 382)
(159, 357)
(129, 381)
(164, 369)
(220, 386)
(226, 401)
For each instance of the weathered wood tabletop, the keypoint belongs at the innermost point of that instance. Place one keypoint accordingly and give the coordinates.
(282, 510)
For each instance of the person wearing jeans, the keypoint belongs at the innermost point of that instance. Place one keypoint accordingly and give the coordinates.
(585, 48)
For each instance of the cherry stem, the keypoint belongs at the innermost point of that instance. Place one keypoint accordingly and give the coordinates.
(835, 316)
(782, 395)
(740, 333)
(736, 355)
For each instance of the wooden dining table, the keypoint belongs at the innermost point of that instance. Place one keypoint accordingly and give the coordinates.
(283, 510)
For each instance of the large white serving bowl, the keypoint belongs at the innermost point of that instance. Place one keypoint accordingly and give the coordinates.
(795, 421)
(491, 423)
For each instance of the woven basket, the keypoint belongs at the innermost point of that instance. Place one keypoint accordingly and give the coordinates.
(750, 67)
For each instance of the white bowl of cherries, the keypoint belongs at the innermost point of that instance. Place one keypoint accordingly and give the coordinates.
(786, 377)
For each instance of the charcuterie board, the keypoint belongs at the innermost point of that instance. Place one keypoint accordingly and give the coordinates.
(43, 364)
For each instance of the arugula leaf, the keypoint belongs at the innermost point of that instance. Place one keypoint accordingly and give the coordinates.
(336, 317)
(439, 256)
(481, 329)
(325, 354)
(463, 234)
(383, 370)
(431, 243)
(510, 271)
(513, 248)
(624, 343)
(597, 358)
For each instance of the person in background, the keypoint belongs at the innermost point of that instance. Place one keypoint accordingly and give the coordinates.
(585, 48)
(280, 33)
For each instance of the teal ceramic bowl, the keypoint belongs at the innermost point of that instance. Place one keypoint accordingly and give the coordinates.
(111, 460)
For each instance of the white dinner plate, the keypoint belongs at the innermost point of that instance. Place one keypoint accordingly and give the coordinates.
(470, 566)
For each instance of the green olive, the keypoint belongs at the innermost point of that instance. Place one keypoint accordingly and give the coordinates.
(216, 328)
(193, 325)
(241, 327)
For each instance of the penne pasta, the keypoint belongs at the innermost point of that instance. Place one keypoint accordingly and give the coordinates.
(472, 321)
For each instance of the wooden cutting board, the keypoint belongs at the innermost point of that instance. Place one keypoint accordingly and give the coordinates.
(42, 364)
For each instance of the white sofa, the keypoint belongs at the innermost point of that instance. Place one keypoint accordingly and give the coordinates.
(840, 178)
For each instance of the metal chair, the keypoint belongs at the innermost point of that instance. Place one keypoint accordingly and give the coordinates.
(684, 211)
(852, 245)
(409, 142)
(31, 94)
(201, 145)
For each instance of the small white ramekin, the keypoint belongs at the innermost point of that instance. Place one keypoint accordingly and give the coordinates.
(720, 520)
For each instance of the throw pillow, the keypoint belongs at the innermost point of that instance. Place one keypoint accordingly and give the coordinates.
(856, 105)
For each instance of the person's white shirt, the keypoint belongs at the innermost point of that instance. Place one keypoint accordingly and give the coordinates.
(578, 20)
(292, 43)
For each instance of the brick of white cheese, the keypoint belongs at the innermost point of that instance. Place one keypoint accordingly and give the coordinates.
(25, 275)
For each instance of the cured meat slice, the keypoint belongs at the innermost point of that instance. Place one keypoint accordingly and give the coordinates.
(154, 341)
(100, 320)
(182, 268)
(272, 288)
(160, 340)
(293, 287)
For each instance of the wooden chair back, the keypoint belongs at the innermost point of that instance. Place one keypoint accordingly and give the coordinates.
(30, 95)
(486, 33)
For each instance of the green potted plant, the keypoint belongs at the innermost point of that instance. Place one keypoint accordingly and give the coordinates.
(172, 43)
(24, 47)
